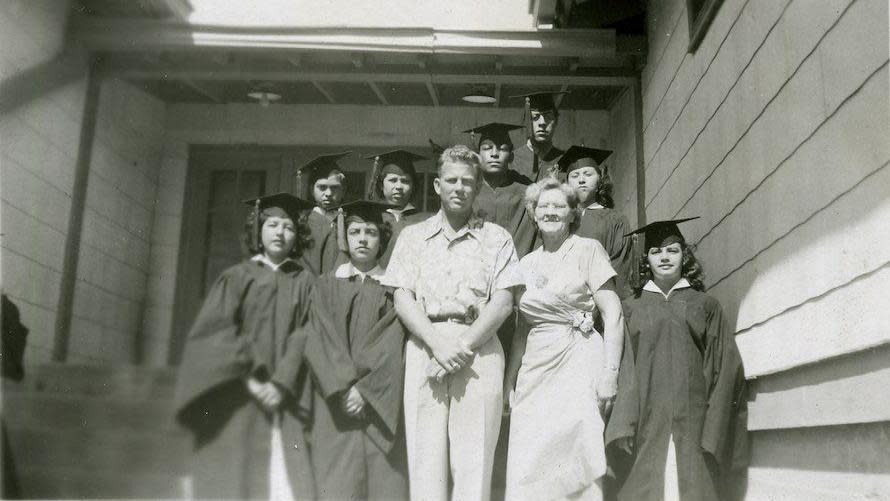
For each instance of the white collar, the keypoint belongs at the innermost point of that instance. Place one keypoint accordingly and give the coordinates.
(397, 213)
(330, 214)
(595, 205)
(681, 284)
(347, 270)
(261, 258)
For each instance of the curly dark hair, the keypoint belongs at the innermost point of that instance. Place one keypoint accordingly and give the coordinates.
(377, 187)
(302, 241)
(691, 270)
(603, 193)
(384, 228)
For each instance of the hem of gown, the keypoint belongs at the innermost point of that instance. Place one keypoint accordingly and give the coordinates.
(580, 476)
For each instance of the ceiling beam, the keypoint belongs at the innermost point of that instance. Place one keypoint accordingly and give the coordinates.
(204, 91)
(558, 98)
(127, 35)
(434, 96)
(205, 72)
(380, 95)
(325, 92)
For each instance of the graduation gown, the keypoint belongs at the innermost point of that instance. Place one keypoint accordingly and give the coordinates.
(609, 226)
(250, 324)
(681, 376)
(535, 167)
(357, 340)
(409, 216)
(505, 206)
(324, 254)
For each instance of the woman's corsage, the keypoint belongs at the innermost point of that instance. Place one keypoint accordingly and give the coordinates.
(583, 321)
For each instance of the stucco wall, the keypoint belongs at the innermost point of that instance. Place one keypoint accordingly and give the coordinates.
(775, 132)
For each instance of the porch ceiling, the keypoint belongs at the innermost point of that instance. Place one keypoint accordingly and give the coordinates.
(180, 63)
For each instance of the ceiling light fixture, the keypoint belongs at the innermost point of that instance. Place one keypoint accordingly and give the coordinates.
(479, 96)
(264, 94)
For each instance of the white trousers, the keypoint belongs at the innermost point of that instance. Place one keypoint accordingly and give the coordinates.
(452, 425)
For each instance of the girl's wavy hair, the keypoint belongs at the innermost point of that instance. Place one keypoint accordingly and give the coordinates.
(302, 241)
(534, 191)
(691, 270)
(603, 192)
(383, 228)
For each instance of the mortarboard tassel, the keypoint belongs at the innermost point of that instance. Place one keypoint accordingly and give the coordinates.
(342, 243)
(372, 186)
(255, 234)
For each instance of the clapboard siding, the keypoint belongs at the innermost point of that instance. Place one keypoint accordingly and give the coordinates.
(775, 132)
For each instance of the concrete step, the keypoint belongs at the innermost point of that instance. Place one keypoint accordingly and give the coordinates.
(98, 380)
(77, 483)
(98, 450)
(55, 410)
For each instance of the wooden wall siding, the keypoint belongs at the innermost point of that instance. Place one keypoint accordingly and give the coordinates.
(38, 152)
(623, 162)
(775, 132)
(111, 290)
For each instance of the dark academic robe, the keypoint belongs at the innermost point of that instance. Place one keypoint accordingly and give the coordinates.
(250, 324)
(530, 165)
(680, 375)
(505, 206)
(609, 226)
(324, 254)
(357, 340)
(408, 217)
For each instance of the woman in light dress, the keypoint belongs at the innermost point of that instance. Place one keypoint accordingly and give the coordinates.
(563, 374)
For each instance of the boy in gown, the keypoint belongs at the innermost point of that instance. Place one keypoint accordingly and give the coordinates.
(501, 197)
(355, 352)
(588, 176)
(242, 388)
(394, 181)
(681, 414)
(537, 158)
(322, 180)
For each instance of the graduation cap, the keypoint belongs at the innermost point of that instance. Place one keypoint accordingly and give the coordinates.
(498, 133)
(370, 211)
(541, 101)
(577, 157)
(661, 233)
(318, 168)
(277, 205)
(396, 161)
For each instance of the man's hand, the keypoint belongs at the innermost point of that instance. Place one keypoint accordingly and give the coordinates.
(451, 353)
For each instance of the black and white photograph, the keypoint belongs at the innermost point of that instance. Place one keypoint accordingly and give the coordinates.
(445, 250)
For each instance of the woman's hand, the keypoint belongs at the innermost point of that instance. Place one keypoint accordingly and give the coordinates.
(353, 402)
(267, 394)
(606, 389)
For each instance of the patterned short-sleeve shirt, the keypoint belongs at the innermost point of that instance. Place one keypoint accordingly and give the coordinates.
(453, 275)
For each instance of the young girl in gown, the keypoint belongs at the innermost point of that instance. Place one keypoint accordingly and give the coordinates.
(242, 387)
(355, 351)
(589, 177)
(680, 416)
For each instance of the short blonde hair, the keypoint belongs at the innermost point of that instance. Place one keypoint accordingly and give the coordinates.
(461, 154)
(534, 191)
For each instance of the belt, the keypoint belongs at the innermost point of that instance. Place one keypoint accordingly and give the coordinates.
(454, 319)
